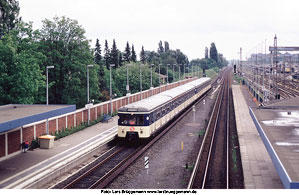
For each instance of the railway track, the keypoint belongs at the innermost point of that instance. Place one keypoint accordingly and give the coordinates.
(216, 163)
(286, 89)
(108, 166)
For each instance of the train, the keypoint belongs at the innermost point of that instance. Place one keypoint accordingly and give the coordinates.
(143, 119)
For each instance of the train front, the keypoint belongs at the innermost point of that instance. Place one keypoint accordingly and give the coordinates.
(133, 123)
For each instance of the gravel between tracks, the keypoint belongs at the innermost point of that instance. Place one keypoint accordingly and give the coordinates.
(169, 156)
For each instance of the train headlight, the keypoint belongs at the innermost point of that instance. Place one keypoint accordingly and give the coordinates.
(141, 132)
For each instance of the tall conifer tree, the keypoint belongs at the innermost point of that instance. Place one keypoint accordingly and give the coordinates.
(107, 54)
(133, 56)
(97, 53)
(127, 55)
(142, 55)
(213, 52)
(114, 54)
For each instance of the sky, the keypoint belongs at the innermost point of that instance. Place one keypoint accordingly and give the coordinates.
(188, 25)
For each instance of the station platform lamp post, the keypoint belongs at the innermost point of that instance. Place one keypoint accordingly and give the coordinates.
(48, 67)
(151, 79)
(140, 76)
(128, 86)
(184, 71)
(167, 73)
(159, 79)
(179, 72)
(111, 65)
(88, 105)
(87, 71)
(173, 72)
(47, 74)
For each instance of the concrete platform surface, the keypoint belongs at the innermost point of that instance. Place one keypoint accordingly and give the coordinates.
(27, 167)
(278, 124)
(258, 169)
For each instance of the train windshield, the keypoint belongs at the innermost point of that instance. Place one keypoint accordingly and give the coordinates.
(130, 120)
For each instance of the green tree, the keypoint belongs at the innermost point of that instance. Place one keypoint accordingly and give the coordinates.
(120, 79)
(127, 54)
(133, 56)
(97, 53)
(213, 52)
(222, 61)
(120, 58)
(160, 48)
(166, 46)
(9, 12)
(107, 54)
(63, 42)
(152, 57)
(21, 80)
(114, 55)
(206, 53)
(142, 55)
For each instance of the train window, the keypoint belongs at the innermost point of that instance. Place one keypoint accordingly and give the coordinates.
(131, 120)
(158, 114)
(153, 117)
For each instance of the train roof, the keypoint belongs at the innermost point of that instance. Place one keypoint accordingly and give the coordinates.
(154, 101)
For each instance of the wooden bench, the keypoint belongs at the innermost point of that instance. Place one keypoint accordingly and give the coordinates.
(106, 118)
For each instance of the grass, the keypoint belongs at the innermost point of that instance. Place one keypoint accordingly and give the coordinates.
(201, 132)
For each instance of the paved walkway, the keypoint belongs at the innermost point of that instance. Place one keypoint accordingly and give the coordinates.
(258, 169)
(21, 166)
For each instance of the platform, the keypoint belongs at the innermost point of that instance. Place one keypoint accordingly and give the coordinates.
(26, 170)
(278, 125)
(258, 169)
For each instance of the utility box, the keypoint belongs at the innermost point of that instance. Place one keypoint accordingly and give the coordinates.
(46, 141)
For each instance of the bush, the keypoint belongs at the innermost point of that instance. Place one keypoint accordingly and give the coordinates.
(66, 132)
(34, 144)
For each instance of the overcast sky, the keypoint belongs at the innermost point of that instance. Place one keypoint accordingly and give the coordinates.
(189, 25)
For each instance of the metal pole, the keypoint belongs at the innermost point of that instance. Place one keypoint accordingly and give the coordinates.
(270, 74)
(241, 62)
(47, 94)
(264, 68)
(111, 65)
(276, 64)
(88, 111)
(173, 72)
(87, 67)
(128, 88)
(47, 121)
(167, 72)
(87, 85)
(184, 71)
(47, 87)
(192, 71)
(152, 75)
(179, 72)
(159, 79)
(140, 76)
